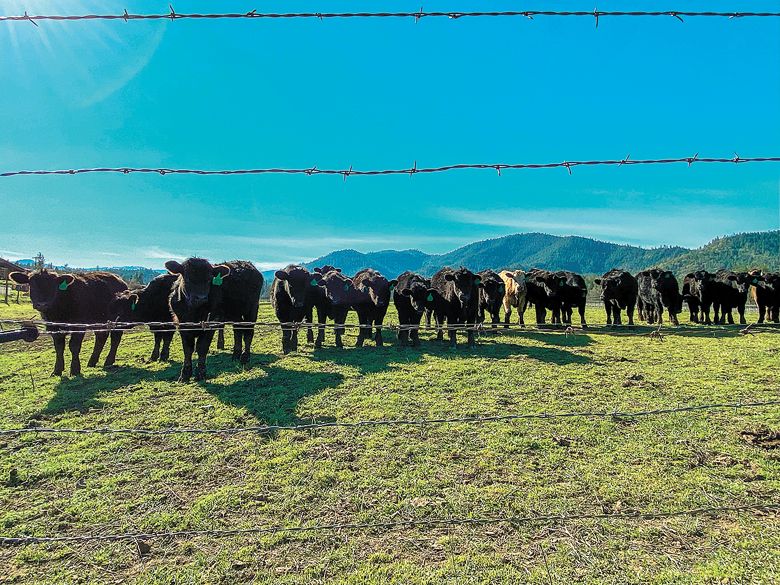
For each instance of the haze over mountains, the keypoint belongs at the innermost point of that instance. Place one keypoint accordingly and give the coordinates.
(529, 250)
(583, 255)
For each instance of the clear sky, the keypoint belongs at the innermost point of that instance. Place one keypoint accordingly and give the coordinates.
(380, 94)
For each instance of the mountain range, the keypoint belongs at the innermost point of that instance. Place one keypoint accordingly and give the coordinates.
(575, 253)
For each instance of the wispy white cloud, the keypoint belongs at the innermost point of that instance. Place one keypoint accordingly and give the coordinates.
(691, 227)
(159, 254)
(12, 254)
(277, 265)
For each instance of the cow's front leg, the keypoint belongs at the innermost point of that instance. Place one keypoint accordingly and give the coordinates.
(203, 344)
(59, 349)
(100, 342)
(188, 347)
(76, 339)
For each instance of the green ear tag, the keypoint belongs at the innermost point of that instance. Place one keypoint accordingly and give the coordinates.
(313, 282)
(429, 298)
(132, 307)
(63, 285)
(755, 281)
(392, 288)
(346, 287)
(217, 280)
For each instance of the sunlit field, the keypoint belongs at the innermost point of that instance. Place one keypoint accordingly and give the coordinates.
(106, 484)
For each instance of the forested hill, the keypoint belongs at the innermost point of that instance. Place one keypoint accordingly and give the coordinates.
(739, 252)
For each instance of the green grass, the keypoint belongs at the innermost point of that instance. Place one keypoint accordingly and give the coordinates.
(106, 484)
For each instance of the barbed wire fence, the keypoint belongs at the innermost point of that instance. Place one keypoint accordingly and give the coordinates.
(764, 507)
(758, 507)
(615, 415)
(172, 15)
(413, 170)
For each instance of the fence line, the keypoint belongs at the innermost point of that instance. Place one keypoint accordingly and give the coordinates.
(481, 419)
(486, 327)
(393, 524)
(413, 170)
(453, 15)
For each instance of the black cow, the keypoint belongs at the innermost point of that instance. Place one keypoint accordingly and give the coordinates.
(457, 301)
(618, 293)
(191, 301)
(238, 300)
(333, 299)
(491, 297)
(544, 288)
(411, 296)
(704, 291)
(690, 294)
(658, 290)
(148, 304)
(72, 298)
(766, 294)
(293, 293)
(733, 288)
(573, 293)
(372, 298)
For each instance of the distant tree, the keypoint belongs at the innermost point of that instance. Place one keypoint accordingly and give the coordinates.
(39, 262)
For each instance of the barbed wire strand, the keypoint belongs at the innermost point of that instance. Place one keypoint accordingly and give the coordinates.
(679, 15)
(393, 524)
(413, 170)
(263, 429)
(59, 327)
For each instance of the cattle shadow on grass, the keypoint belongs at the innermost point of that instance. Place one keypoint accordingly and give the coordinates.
(370, 359)
(80, 393)
(267, 392)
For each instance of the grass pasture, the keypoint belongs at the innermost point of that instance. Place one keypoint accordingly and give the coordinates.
(93, 484)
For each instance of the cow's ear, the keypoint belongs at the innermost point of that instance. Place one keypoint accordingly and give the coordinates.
(19, 277)
(222, 270)
(337, 269)
(449, 276)
(407, 292)
(690, 275)
(393, 283)
(281, 275)
(174, 267)
(732, 277)
(67, 280)
(597, 281)
(318, 270)
(316, 279)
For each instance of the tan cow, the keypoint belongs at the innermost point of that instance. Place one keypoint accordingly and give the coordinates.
(515, 294)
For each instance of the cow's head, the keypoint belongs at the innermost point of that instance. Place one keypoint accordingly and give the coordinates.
(552, 283)
(298, 282)
(125, 306)
(520, 278)
(377, 287)
(744, 280)
(493, 286)
(666, 284)
(419, 296)
(770, 281)
(196, 278)
(326, 268)
(338, 288)
(611, 287)
(465, 284)
(46, 287)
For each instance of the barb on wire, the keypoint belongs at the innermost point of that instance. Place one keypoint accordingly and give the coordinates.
(416, 16)
(394, 524)
(482, 419)
(54, 328)
(413, 170)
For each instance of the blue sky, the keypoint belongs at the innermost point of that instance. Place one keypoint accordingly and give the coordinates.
(380, 94)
